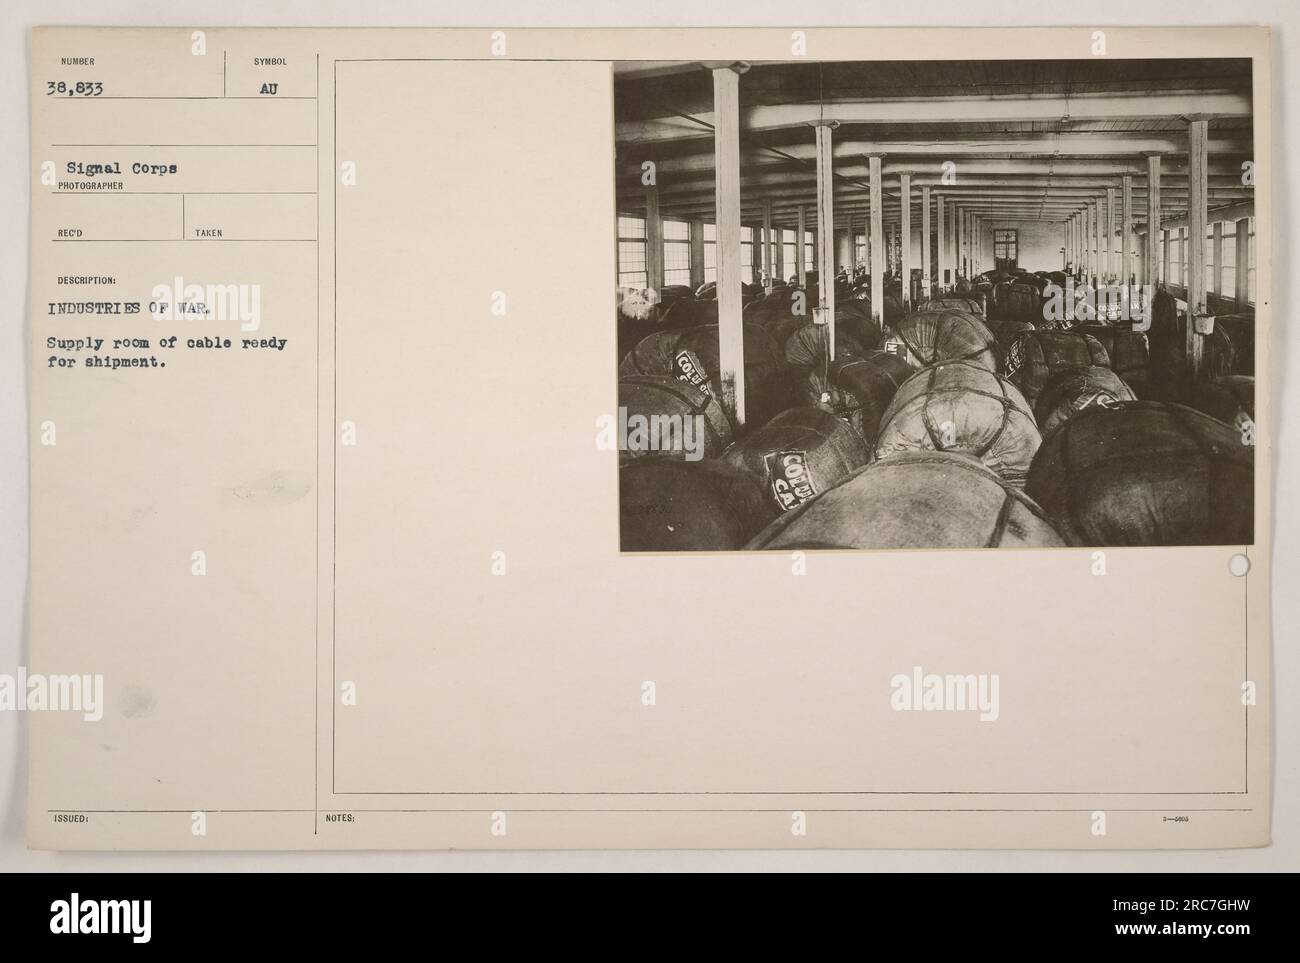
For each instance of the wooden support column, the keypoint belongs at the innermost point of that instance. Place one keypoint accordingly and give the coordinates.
(1197, 213)
(905, 238)
(825, 311)
(1083, 245)
(973, 266)
(1166, 255)
(1216, 259)
(1150, 266)
(1242, 287)
(876, 244)
(973, 247)
(963, 238)
(1107, 234)
(1126, 230)
(1098, 264)
(654, 242)
(954, 241)
(941, 244)
(1106, 206)
(800, 260)
(697, 252)
(853, 245)
(767, 245)
(726, 166)
(1080, 243)
(959, 246)
(927, 290)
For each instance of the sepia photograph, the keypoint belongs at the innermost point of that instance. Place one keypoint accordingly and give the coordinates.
(349, 538)
(935, 304)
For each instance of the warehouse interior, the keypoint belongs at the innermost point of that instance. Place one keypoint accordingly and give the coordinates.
(933, 188)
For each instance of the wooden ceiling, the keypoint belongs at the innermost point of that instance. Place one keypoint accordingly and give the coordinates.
(1030, 139)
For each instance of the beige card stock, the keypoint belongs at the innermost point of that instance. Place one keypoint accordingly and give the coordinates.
(354, 580)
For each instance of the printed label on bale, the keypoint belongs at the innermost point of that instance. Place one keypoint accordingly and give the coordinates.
(1101, 399)
(791, 483)
(686, 367)
(1015, 356)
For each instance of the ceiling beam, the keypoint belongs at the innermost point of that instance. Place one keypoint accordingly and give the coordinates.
(956, 109)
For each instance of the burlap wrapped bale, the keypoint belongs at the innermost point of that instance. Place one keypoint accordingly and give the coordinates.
(769, 390)
(1071, 390)
(961, 406)
(691, 313)
(1004, 335)
(667, 505)
(691, 354)
(952, 302)
(857, 390)
(781, 304)
(1130, 358)
(1035, 356)
(659, 353)
(934, 336)
(798, 455)
(1240, 330)
(854, 318)
(915, 500)
(809, 346)
(1230, 399)
(1001, 308)
(1023, 301)
(665, 403)
(1146, 473)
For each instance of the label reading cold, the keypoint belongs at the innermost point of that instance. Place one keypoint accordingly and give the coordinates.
(791, 483)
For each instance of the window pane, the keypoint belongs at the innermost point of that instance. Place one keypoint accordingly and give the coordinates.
(631, 263)
(1251, 284)
(710, 232)
(677, 231)
(630, 227)
(677, 262)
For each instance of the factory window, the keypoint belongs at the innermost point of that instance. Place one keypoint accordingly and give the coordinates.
(747, 254)
(1228, 280)
(787, 253)
(710, 252)
(631, 251)
(677, 252)
(1005, 249)
(1175, 258)
(1251, 273)
(1209, 261)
